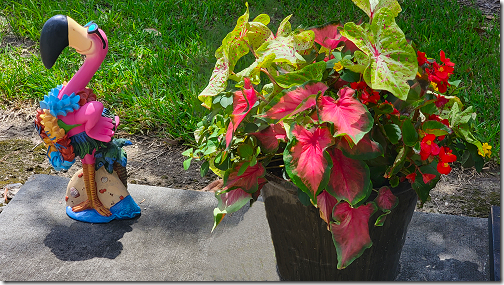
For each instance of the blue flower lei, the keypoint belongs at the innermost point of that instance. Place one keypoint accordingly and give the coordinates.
(57, 161)
(62, 106)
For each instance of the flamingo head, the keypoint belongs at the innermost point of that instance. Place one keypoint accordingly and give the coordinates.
(61, 31)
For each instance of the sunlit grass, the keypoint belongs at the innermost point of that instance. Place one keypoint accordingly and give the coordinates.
(161, 53)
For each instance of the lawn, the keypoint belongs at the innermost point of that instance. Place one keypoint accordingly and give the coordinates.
(161, 53)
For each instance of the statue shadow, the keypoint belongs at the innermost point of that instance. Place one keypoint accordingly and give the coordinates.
(81, 241)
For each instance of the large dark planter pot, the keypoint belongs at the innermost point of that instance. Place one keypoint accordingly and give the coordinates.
(304, 247)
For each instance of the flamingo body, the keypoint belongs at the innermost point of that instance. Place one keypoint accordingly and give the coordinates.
(71, 122)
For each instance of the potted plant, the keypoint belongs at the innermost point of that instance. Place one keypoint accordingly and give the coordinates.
(350, 118)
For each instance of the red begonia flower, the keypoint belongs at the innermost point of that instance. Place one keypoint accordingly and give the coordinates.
(445, 156)
(441, 100)
(421, 58)
(428, 146)
(411, 177)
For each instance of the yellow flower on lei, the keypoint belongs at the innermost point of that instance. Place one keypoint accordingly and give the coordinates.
(486, 150)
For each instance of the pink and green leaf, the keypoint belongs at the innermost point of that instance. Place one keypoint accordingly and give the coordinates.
(217, 83)
(328, 35)
(325, 203)
(349, 116)
(258, 32)
(381, 219)
(286, 49)
(284, 29)
(228, 54)
(243, 101)
(269, 137)
(364, 150)
(392, 60)
(385, 199)
(306, 161)
(350, 178)
(370, 7)
(350, 231)
(229, 202)
(248, 181)
(290, 103)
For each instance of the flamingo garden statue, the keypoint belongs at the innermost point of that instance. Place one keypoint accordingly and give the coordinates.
(72, 123)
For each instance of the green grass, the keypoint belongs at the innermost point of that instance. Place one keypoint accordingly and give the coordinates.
(161, 53)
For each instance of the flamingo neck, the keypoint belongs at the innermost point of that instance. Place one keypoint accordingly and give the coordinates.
(88, 69)
(83, 75)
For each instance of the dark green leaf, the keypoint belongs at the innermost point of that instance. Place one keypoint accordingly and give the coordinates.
(204, 168)
(225, 164)
(393, 133)
(420, 187)
(398, 163)
(250, 128)
(394, 181)
(384, 108)
(435, 128)
(245, 150)
(429, 109)
(253, 161)
(295, 78)
(303, 197)
(410, 135)
(349, 75)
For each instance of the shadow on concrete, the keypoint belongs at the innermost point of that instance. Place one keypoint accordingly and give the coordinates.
(442, 270)
(82, 241)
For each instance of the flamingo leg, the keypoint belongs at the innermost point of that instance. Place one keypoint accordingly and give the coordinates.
(92, 201)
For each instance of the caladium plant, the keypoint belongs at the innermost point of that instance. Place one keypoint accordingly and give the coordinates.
(341, 110)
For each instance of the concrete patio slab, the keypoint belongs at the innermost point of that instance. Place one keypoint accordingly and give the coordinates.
(172, 241)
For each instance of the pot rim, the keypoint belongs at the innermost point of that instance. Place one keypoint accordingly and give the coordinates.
(403, 187)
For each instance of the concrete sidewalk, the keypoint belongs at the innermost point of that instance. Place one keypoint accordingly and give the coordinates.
(171, 241)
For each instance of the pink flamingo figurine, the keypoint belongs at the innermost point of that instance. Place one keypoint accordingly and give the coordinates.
(72, 123)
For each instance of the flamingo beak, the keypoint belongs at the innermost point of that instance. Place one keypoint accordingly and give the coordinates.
(53, 39)
(59, 32)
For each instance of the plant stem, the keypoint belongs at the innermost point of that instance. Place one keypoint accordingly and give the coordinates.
(269, 76)
(250, 48)
(277, 166)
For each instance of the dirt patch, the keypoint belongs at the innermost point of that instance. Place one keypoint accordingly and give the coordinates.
(158, 162)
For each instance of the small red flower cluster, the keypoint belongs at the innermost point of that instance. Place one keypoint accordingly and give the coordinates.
(437, 73)
(395, 112)
(445, 156)
(428, 147)
(365, 96)
(328, 58)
